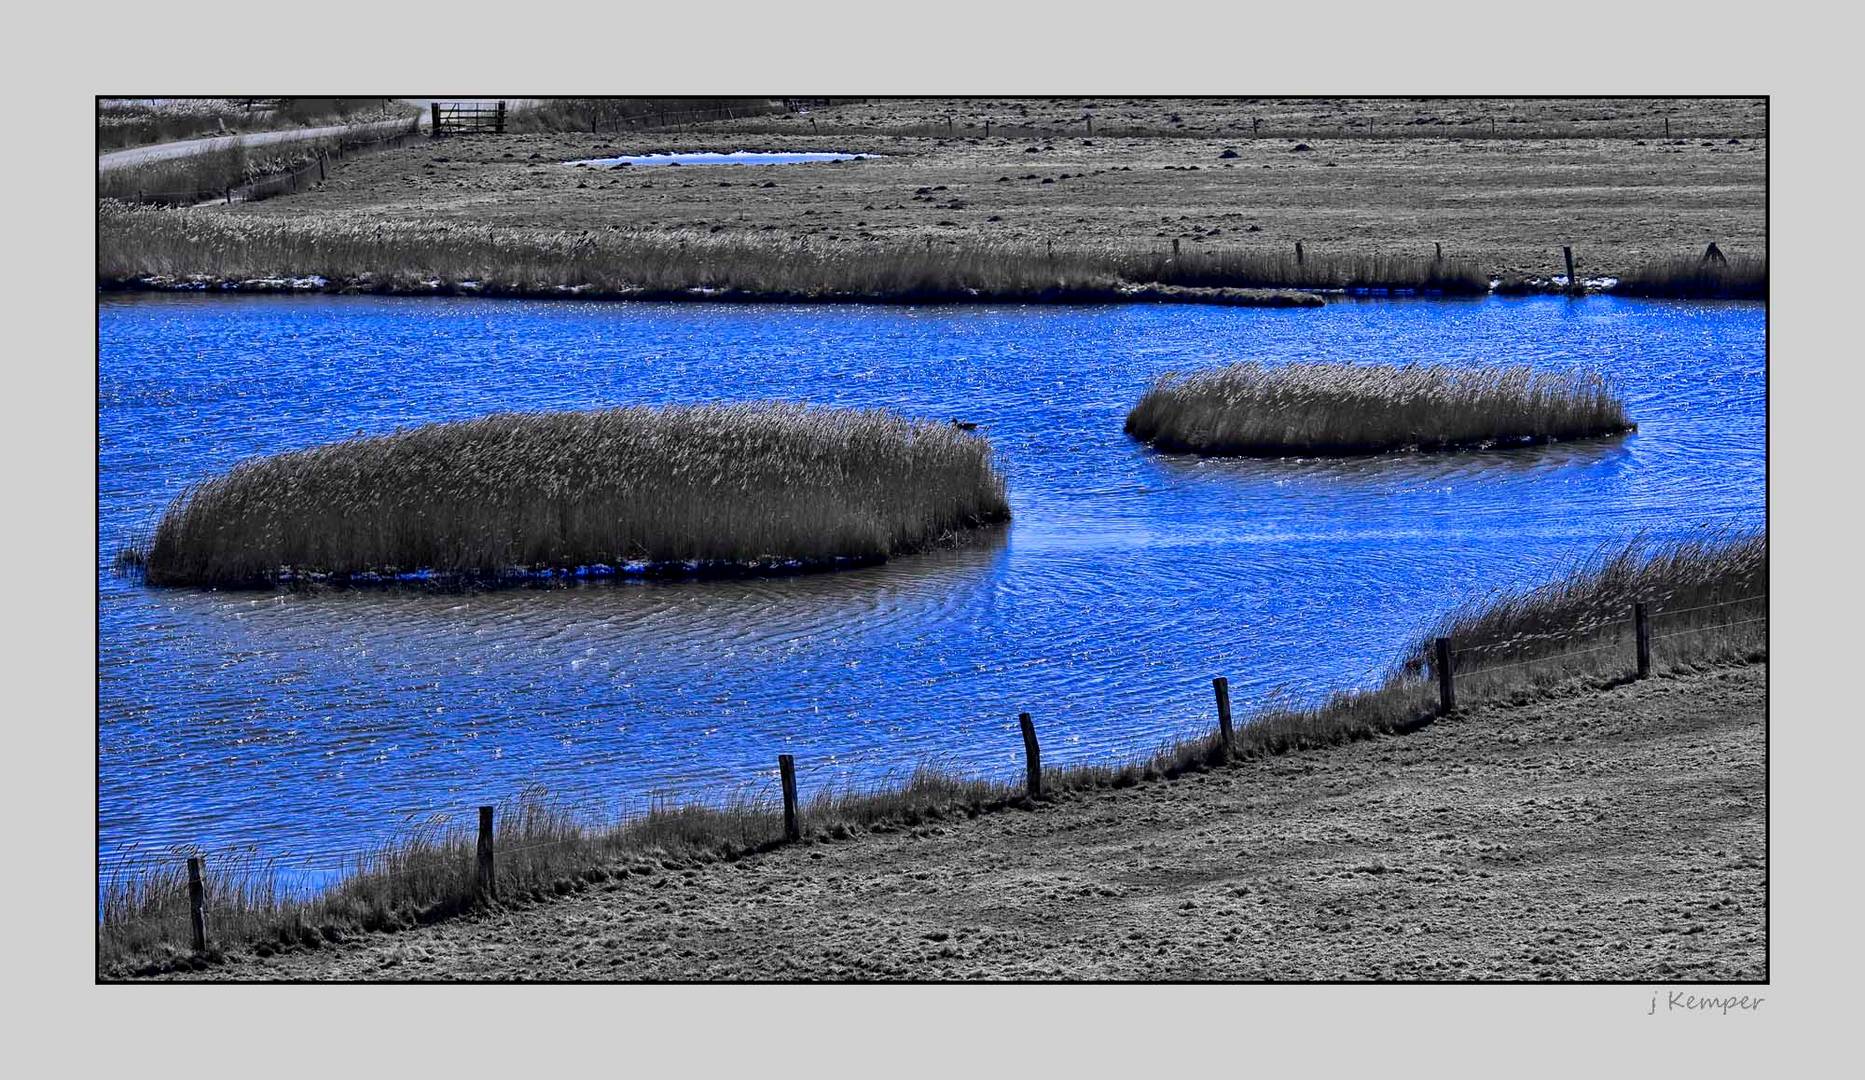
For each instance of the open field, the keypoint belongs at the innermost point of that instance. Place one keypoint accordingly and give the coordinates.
(770, 485)
(1587, 834)
(1567, 174)
(1251, 409)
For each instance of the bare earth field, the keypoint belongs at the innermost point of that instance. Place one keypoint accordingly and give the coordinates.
(1508, 182)
(1591, 835)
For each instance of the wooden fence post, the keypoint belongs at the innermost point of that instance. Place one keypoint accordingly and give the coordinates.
(435, 107)
(987, 129)
(1573, 283)
(1090, 120)
(787, 768)
(1667, 127)
(1641, 633)
(197, 904)
(1440, 246)
(498, 121)
(1175, 247)
(1032, 756)
(1221, 687)
(1298, 253)
(320, 168)
(486, 886)
(1447, 682)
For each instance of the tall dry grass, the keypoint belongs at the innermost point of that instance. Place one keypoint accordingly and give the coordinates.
(1738, 277)
(1260, 410)
(707, 484)
(138, 243)
(1689, 586)
(1280, 269)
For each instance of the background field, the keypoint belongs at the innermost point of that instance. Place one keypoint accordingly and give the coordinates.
(1507, 182)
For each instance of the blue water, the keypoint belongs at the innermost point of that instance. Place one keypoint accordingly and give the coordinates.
(736, 157)
(309, 724)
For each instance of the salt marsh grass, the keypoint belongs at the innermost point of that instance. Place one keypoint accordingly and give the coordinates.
(1714, 586)
(708, 484)
(1281, 269)
(1736, 277)
(1252, 409)
(137, 244)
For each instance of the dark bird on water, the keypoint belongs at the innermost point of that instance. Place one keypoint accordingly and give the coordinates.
(965, 425)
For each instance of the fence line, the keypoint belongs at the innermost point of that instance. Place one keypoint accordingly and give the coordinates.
(388, 862)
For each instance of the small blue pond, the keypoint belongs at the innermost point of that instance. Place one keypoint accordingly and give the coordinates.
(736, 157)
(315, 723)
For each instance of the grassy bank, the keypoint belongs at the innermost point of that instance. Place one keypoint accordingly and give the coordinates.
(1735, 277)
(1251, 409)
(544, 851)
(127, 123)
(210, 174)
(1689, 586)
(767, 485)
(143, 243)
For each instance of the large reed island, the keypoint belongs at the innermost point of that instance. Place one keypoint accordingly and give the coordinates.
(1257, 410)
(693, 488)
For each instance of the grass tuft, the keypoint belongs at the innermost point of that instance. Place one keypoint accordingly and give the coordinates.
(769, 485)
(1689, 586)
(1251, 409)
(1737, 277)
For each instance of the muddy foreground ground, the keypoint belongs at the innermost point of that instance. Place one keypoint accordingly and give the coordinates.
(1506, 182)
(1609, 835)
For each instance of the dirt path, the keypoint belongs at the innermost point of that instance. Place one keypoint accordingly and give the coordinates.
(1611, 835)
(144, 155)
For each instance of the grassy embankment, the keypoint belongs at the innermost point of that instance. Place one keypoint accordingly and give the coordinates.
(1710, 605)
(124, 124)
(696, 488)
(1251, 409)
(209, 174)
(1737, 277)
(143, 244)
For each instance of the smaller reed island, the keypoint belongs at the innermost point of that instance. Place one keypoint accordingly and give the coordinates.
(1256, 410)
(670, 491)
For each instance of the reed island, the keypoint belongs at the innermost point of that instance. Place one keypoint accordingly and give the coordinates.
(686, 489)
(1256, 410)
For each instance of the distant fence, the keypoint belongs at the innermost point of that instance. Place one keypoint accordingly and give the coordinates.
(466, 118)
(190, 904)
(319, 156)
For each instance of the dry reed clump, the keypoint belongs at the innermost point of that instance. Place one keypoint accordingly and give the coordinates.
(1251, 409)
(1736, 277)
(1690, 587)
(696, 485)
(1244, 268)
(545, 851)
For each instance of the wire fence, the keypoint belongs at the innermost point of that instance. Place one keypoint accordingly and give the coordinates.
(316, 161)
(446, 853)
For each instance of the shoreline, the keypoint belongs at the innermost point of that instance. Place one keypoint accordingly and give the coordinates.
(1062, 296)
(317, 285)
(1178, 448)
(1250, 869)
